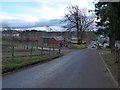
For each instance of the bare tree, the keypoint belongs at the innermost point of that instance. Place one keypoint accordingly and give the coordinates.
(77, 20)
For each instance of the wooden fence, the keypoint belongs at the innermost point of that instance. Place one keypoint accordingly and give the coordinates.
(29, 51)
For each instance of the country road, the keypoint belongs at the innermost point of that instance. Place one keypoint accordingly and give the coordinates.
(78, 69)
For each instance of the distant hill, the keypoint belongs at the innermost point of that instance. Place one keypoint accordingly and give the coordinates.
(20, 23)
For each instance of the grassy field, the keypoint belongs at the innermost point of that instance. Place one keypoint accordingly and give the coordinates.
(9, 64)
(76, 46)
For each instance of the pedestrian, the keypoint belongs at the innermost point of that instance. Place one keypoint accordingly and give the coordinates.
(60, 44)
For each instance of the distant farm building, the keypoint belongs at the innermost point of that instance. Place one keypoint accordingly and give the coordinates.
(51, 40)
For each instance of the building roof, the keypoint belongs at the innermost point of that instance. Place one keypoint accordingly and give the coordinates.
(58, 38)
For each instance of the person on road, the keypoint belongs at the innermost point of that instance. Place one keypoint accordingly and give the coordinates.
(60, 44)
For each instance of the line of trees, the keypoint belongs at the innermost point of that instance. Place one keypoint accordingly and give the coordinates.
(108, 20)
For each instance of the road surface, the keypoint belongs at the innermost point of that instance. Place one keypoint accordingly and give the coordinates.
(78, 69)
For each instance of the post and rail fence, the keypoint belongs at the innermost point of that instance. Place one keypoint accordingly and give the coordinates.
(30, 51)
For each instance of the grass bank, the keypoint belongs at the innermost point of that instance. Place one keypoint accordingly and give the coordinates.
(9, 64)
(76, 46)
(114, 67)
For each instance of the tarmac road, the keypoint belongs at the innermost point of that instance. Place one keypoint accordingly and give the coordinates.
(78, 69)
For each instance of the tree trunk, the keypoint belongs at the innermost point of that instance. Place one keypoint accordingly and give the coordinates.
(81, 36)
(78, 36)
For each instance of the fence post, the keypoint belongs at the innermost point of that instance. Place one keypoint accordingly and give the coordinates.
(13, 51)
(31, 51)
(12, 46)
(42, 51)
(53, 50)
(49, 49)
(59, 50)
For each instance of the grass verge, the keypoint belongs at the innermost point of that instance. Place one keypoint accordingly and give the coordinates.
(76, 46)
(9, 64)
(114, 67)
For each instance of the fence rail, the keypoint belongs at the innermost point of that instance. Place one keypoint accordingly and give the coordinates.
(30, 51)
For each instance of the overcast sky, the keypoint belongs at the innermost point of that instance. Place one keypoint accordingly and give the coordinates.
(38, 10)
